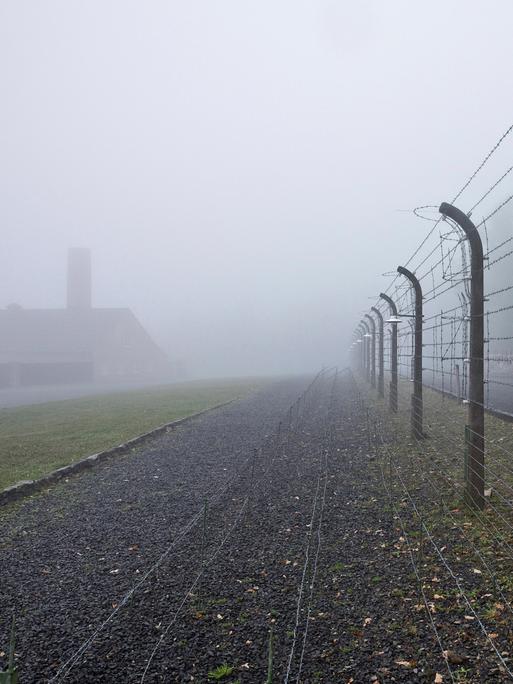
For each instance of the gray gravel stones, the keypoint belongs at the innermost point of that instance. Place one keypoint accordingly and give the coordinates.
(179, 557)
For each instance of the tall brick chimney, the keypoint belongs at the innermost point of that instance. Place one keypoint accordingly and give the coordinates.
(79, 278)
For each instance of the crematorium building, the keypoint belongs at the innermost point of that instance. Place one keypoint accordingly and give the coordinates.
(77, 344)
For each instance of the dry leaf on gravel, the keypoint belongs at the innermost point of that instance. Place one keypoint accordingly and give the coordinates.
(406, 663)
(455, 658)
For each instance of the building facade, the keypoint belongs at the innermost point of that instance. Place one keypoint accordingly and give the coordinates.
(79, 343)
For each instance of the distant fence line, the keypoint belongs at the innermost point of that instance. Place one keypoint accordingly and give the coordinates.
(446, 318)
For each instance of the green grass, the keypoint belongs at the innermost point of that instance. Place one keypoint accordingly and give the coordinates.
(37, 439)
(221, 672)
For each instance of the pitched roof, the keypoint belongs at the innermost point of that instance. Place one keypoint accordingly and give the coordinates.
(72, 335)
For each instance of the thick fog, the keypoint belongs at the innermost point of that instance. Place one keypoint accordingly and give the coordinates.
(238, 169)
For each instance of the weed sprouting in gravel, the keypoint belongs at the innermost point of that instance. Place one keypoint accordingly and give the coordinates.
(220, 672)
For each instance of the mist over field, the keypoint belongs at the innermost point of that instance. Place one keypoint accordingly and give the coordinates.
(240, 171)
(256, 341)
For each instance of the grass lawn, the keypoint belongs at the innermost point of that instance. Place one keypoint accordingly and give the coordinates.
(37, 439)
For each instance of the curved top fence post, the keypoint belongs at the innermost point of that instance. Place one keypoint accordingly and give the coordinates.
(367, 347)
(390, 303)
(361, 333)
(416, 404)
(373, 349)
(474, 472)
(381, 360)
(393, 395)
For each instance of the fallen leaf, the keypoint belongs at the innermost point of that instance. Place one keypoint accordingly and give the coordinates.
(406, 663)
(438, 678)
(455, 658)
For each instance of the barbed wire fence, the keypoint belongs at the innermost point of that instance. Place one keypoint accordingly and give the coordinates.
(444, 406)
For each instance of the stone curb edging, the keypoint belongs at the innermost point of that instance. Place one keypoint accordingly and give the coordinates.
(26, 487)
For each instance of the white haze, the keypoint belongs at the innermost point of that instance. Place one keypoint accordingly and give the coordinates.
(237, 167)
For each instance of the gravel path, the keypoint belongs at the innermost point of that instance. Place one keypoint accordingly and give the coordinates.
(68, 555)
(125, 574)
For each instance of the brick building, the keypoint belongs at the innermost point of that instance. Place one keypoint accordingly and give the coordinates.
(77, 344)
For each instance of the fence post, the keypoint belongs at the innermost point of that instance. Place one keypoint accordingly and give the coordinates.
(393, 355)
(416, 399)
(381, 358)
(355, 358)
(474, 492)
(373, 349)
(366, 339)
(361, 333)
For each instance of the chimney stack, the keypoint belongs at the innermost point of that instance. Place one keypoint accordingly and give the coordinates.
(79, 278)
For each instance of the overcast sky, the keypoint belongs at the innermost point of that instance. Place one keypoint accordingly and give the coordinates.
(237, 166)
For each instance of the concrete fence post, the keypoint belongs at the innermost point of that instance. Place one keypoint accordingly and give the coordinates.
(381, 356)
(474, 432)
(393, 355)
(416, 399)
(367, 341)
(372, 325)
